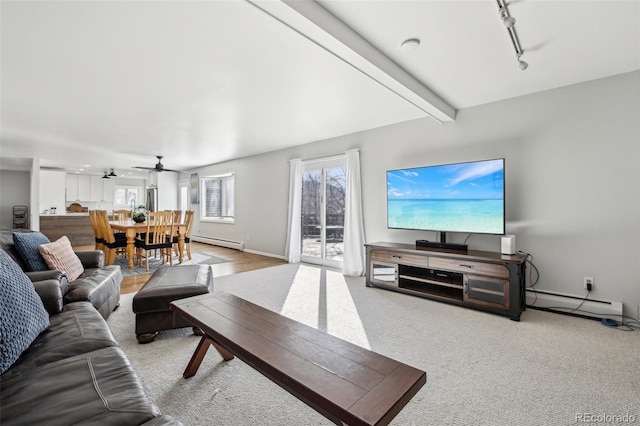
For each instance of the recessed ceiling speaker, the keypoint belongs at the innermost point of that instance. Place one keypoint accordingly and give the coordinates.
(410, 45)
(508, 244)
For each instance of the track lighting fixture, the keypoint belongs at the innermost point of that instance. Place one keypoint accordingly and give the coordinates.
(113, 174)
(510, 23)
(105, 175)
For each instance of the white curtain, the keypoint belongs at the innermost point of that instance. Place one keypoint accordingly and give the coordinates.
(353, 258)
(294, 237)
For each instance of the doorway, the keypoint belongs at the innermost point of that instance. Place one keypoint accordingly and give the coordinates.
(323, 205)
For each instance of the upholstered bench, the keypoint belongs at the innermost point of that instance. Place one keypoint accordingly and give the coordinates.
(151, 303)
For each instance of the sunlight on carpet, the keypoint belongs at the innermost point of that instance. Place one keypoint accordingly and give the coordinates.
(320, 298)
(154, 263)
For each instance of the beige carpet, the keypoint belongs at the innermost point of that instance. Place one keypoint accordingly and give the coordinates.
(482, 369)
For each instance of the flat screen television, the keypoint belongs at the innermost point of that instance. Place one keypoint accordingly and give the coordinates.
(462, 197)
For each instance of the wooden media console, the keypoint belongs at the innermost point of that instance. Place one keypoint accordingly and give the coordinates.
(479, 279)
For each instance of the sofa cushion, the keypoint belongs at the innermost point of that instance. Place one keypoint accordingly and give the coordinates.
(95, 388)
(78, 329)
(100, 286)
(59, 255)
(22, 314)
(27, 245)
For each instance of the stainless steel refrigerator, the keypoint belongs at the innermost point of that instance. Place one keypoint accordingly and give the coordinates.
(152, 199)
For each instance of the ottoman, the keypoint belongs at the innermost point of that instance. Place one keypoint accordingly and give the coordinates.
(168, 283)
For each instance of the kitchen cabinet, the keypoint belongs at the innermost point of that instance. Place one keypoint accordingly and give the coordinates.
(102, 189)
(78, 187)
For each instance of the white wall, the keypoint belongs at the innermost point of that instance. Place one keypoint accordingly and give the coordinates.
(167, 183)
(52, 191)
(572, 179)
(14, 191)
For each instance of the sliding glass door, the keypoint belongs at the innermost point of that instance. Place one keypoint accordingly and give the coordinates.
(323, 202)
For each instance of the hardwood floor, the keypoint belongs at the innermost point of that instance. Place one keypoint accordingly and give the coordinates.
(239, 261)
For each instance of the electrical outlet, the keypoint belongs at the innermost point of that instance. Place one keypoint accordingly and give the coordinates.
(588, 280)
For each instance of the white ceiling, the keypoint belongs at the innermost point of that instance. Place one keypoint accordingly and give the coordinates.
(113, 84)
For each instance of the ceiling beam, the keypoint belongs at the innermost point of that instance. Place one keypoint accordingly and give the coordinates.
(320, 26)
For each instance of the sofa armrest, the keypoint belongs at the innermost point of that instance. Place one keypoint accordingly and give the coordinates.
(55, 274)
(50, 291)
(91, 259)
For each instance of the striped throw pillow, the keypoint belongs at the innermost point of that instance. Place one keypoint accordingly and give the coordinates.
(59, 255)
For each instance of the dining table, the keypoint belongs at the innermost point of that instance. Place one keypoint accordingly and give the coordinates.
(132, 228)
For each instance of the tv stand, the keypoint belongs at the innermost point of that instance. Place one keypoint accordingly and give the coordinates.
(479, 279)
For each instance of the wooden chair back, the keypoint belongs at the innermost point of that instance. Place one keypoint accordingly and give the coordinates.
(97, 232)
(105, 227)
(188, 220)
(177, 216)
(122, 215)
(159, 227)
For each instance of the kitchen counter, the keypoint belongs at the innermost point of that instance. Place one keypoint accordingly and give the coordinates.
(63, 214)
(76, 226)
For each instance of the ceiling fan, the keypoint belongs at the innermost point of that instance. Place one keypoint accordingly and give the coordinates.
(159, 167)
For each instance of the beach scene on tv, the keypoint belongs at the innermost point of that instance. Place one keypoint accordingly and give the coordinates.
(463, 197)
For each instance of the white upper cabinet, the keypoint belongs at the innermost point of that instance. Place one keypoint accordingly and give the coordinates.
(72, 187)
(102, 189)
(78, 187)
(84, 187)
(108, 189)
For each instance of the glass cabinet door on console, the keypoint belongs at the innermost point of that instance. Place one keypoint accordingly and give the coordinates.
(486, 291)
(384, 273)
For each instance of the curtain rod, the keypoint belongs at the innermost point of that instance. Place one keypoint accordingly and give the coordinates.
(330, 158)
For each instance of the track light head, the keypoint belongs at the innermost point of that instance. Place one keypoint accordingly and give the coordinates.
(522, 64)
(509, 21)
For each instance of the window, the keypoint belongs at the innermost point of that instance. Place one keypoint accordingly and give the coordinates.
(216, 197)
(126, 196)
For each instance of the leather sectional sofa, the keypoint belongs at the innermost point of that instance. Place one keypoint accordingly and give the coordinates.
(98, 284)
(73, 372)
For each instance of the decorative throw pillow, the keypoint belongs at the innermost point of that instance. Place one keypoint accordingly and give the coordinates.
(27, 244)
(22, 314)
(59, 255)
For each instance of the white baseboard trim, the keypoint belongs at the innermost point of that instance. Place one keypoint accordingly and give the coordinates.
(261, 253)
(237, 245)
(564, 303)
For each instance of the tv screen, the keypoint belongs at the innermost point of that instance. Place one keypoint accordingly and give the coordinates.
(463, 197)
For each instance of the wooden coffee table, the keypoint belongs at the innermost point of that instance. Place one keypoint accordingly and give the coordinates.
(342, 381)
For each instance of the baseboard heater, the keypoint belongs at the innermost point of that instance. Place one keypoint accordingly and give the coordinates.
(574, 305)
(238, 245)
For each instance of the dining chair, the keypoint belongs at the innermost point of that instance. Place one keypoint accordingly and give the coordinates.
(177, 216)
(111, 241)
(97, 235)
(159, 227)
(188, 221)
(122, 215)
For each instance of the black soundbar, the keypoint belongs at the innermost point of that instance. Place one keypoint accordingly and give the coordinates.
(441, 246)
